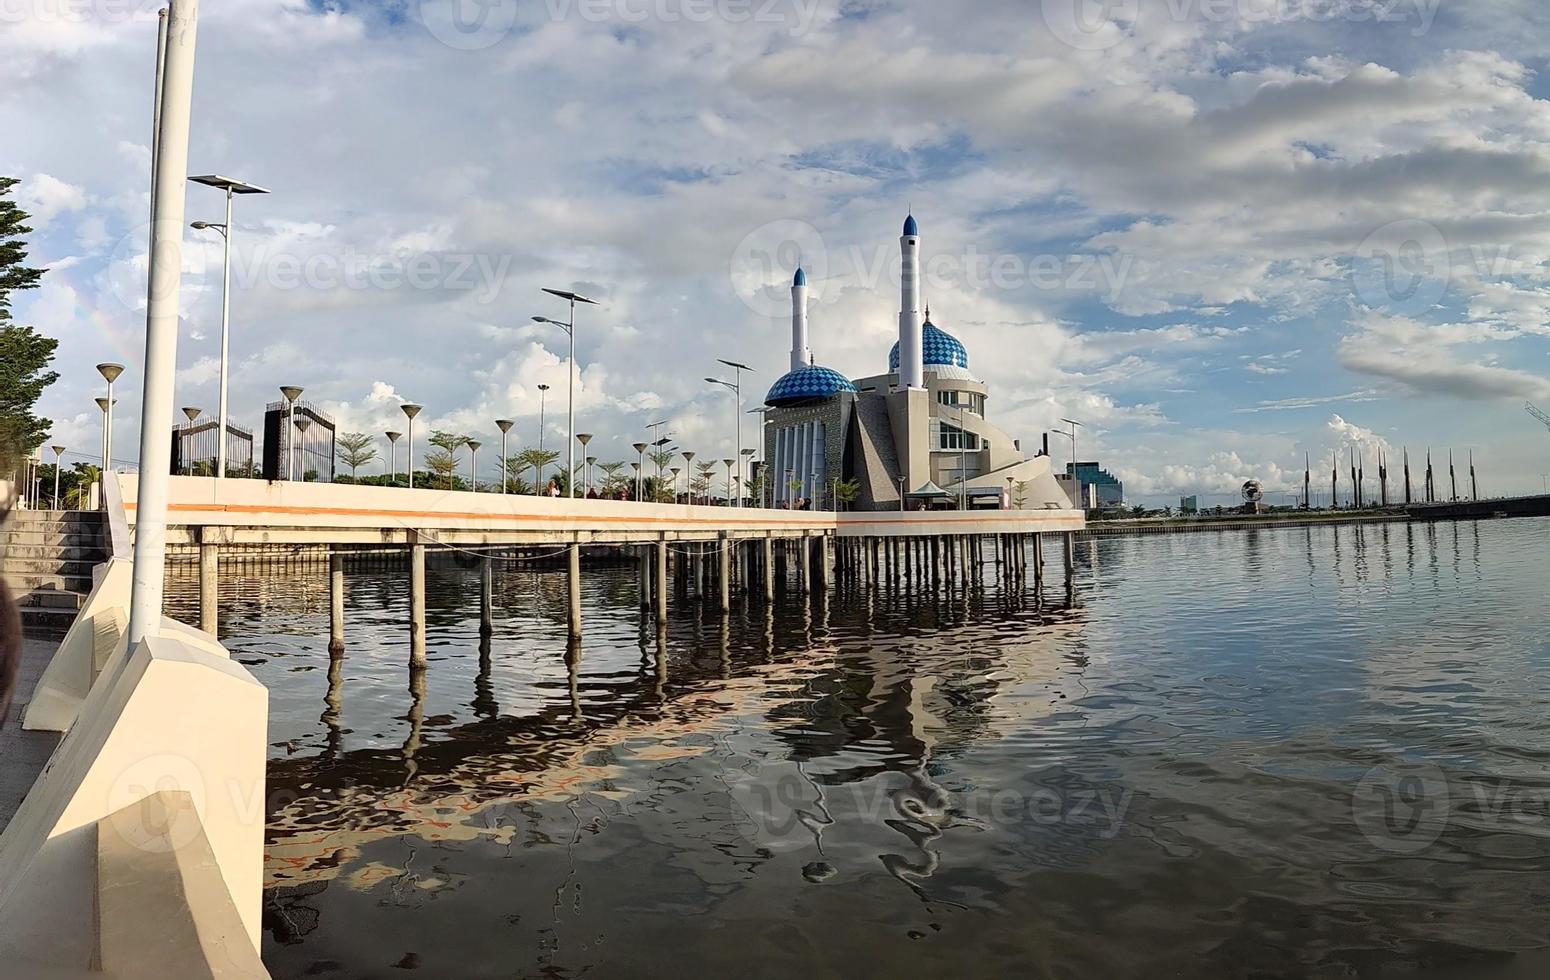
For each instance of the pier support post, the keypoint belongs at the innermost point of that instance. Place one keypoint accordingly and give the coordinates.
(805, 564)
(821, 558)
(724, 565)
(416, 603)
(1069, 546)
(573, 581)
(661, 580)
(335, 601)
(486, 596)
(1038, 559)
(769, 569)
(209, 586)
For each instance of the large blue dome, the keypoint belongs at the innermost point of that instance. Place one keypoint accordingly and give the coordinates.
(937, 347)
(807, 383)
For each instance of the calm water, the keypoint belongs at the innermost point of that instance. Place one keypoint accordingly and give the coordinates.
(1281, 753)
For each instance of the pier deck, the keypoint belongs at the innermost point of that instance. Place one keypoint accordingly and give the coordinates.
(23, 754)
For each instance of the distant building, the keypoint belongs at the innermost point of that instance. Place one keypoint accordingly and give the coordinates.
(1189, 505)
(1107, 490)
(919, 430)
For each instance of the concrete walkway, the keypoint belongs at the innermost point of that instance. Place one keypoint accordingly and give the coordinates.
(23, 754)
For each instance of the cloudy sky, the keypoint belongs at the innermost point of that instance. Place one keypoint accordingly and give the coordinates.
(1222, 233)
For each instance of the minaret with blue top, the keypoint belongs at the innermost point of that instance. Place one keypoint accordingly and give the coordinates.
(912, 372)
(801, 352)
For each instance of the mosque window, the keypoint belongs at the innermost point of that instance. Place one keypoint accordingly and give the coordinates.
(952, 438)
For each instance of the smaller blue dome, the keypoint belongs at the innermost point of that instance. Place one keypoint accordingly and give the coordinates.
(911, 229)
(801, 278)
(805, 384)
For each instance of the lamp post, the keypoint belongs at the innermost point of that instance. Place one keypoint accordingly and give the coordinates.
(58, 452)
(591, 461)
(291, 393)
(640, 471)
(538, 479)
(570, 380)
(729, 464)
(746, 478)
(763, 412)
(231, 187)
(1074, 426)
(505, 426)
(473, 465)
(689, 469)
(392, 438)
(110, 372)
(737, 395)
(410, 411)
(102, 405)
(675, 471)
(586, 476)
(191, 414)
(302, 425)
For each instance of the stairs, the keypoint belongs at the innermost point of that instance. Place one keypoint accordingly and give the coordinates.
(46, 557)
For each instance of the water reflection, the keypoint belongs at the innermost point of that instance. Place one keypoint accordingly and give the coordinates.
(1160, 777)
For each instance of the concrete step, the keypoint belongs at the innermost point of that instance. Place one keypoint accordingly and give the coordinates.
(43, 565)
(56, 517)
(34, 582)
(49, 599)
(57, 552)
(46, 621)
(84, 539)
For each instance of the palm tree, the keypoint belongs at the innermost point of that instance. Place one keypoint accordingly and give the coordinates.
(845, 493)
(613, 478)
(538, 459)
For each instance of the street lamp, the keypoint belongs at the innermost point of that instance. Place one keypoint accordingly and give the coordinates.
(58, 452)
(689, 469)
(675, 471)
(191, 414)
(473, 465)
(231, 187)
(640, 471)
(303, 424)
(543, 394)
(410, 411)
(729, 463)
(1074, 426)
(291, 393)
(585, 438)
(737, 394)
(505, 426)
(591, 461)
(570, 381)
(392, 438)
(746, 471)
(110, 372)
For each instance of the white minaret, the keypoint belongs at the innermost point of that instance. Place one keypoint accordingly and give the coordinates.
(801, 353)
(912, 372)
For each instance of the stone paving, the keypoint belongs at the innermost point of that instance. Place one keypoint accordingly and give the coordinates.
(23, 754)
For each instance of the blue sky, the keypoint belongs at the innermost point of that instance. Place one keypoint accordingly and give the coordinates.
(1172, 222)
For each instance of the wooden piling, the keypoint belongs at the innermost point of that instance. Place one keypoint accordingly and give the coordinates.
(769, 569)
(486, 596)
(661, 579)
(724, 561)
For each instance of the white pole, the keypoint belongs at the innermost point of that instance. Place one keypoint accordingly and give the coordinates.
(290, 439)
(409, 459)
(737, 408)
(570, 407)
(220, 433)
(161, 323)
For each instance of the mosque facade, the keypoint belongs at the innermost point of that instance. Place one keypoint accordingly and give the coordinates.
(915, 436)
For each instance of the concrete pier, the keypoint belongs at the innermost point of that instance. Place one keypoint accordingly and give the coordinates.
(573, 583)
(661, 580)
(209, 587)
(724, 574)
(335, 601)
(417, 605)
(486, 596)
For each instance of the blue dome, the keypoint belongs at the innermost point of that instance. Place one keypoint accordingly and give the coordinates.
(807, 383)
(911, 229)
(937, 347)
(801, 278)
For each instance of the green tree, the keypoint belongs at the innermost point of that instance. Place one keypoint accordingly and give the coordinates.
(704, 479)
(538, 460)
(80, 478)
(355, 450)
(613, 480)
(660, 460)
(443, 459)
(514, 467)
(24, 354)
(1020, 494)
(846, 492)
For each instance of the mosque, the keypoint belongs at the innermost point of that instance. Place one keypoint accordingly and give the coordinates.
(916, 436)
